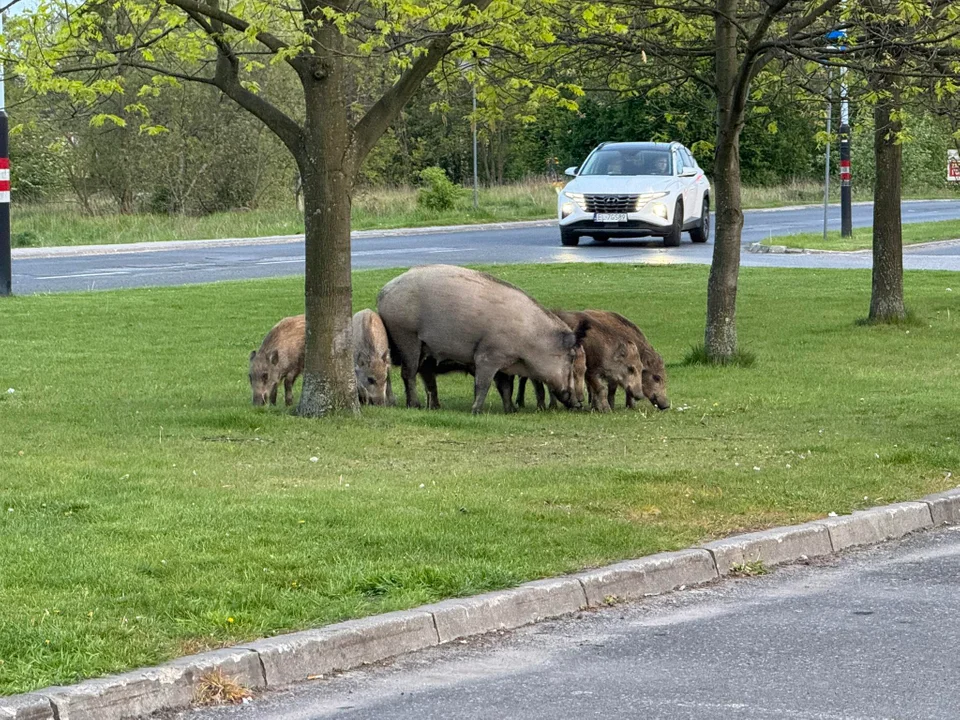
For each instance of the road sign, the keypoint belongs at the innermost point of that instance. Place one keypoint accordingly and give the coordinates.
(953, 166)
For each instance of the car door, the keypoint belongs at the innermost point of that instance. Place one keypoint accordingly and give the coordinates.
(688, 186)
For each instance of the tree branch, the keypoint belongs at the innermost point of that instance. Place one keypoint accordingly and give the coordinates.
(379, 117)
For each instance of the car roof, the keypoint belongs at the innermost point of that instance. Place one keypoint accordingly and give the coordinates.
(640, 145)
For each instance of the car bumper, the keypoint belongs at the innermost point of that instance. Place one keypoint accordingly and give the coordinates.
(637, 224)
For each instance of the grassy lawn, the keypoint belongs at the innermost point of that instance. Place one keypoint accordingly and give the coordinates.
(862, 239)
(147, 510)
(54, 225)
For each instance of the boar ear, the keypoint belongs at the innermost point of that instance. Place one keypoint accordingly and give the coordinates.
(621, 351)
(274, 357)
(253, 354)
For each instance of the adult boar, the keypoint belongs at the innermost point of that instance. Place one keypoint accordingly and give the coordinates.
(471, 319)
(371, 359)
(280, 358)
(612, 359)
(654, 372)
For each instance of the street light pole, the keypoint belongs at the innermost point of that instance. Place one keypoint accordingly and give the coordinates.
(6, 261)
(476, 183)
(826, 174)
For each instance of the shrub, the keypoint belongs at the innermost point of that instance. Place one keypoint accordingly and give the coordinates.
(438, 191)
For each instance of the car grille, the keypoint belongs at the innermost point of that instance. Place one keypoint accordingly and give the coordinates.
(611, 203)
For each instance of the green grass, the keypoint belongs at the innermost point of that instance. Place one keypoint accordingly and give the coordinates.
(862, 238)
(382, 208)
(147, 510)
(804, 192)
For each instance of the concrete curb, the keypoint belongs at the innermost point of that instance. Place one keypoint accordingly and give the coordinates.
(117, 249)
(285, 659)
(759, 247)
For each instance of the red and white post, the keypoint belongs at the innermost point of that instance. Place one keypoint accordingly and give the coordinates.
(6, 261)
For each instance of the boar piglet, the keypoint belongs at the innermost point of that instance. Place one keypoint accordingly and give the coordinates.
(371, 359)
(612, 358)
(280, 358)
(654, 372)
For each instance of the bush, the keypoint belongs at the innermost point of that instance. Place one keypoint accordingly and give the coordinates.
(25, 238)
(438, 191)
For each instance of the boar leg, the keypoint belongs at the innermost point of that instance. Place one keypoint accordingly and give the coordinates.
(541, 396)
(612, 394)
(273, 393)
(505, 388)
(521, 391)
(486, 366)
(631, 401)
(429, 375)
(288, 389)
(409, 346)
(598, 395)
(391, 399)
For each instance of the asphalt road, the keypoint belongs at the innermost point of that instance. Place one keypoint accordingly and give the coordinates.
(163, 264)
(872, 635)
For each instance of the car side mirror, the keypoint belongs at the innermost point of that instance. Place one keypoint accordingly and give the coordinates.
(571, 171)
(688, 172)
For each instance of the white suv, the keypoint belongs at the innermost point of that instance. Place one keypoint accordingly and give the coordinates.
(636, 189)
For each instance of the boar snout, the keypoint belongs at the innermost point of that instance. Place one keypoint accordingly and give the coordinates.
(660, 402)
(568, 400)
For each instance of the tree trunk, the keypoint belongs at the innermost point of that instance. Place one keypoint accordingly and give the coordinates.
(720, 337)
(886, 300)
(329, 382)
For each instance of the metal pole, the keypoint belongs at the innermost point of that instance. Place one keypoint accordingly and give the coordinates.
(826, 174)
(6, 261)
(476, 183)
(846, 191)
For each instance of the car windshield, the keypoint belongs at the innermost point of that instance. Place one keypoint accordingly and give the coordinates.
(627, 161)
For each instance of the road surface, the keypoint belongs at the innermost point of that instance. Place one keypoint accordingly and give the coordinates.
(871, 635)
(281, 256)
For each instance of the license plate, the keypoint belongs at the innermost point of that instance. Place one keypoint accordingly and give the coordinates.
(610, 217)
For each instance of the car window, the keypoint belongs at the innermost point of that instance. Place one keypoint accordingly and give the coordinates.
(687, 158)
(626, 161)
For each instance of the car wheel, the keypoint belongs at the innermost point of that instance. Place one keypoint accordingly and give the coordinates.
(701, 233)
(568, 238)
(601, 238)
(672, 239)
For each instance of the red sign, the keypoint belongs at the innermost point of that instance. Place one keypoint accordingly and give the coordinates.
(953, 166)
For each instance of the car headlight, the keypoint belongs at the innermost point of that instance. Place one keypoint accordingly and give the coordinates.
(644, 198)
(577, 198)
(566, 209)
(659, 209)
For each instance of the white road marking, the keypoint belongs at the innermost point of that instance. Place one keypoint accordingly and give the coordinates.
(101, 273)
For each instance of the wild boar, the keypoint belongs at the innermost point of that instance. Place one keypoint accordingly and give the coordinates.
(469, 318)
(371, 359)
(280, 357)
(611, 358)
(654, 372)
